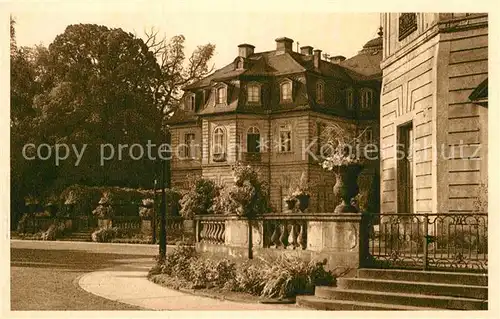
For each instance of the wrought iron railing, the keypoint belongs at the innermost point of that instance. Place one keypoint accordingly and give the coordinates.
(425, 241)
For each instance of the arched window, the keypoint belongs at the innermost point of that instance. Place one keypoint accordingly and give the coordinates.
(320, 92)
(219, 144)
(253, 140)
(253, 93)
(286, 91)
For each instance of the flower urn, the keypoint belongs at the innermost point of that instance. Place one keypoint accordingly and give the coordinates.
(346, 187)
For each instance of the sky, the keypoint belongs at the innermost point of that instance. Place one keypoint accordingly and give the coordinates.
(335, 33)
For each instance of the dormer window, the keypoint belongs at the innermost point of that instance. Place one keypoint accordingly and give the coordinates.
(350, 99)
(367, 97)
(253, 93)
(221, 94)
(190, 102)
(320, 92)
(240, 64)
(286, 91)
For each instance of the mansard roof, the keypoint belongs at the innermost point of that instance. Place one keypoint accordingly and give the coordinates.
(275, 63)
(365, 66)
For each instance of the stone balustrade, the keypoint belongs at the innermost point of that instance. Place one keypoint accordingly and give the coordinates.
(286, 234)
(211, 231)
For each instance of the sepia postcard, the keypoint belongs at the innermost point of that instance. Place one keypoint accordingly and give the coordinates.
(183, 155)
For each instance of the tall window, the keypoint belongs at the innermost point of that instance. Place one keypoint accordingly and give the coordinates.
(286, 91)
(320, 94)
(189, 141)
(253, 140)
(219, 144)
(285, 138)
(191, 102)
(366, 99)
(350, 99)
(405, 169)
(253, 93)
(221, 95)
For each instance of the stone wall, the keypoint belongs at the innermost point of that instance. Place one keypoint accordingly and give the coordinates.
(335, 238)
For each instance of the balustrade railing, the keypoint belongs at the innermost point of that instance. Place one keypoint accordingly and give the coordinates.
(126, 222)
(284, 232)
(426, 241)
(211, 230)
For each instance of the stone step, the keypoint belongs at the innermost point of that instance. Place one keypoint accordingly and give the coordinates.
(398, 298)
(412, 287)
(313, 302)
(474, 279)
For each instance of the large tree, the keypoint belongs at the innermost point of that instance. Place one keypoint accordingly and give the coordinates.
(94, 85)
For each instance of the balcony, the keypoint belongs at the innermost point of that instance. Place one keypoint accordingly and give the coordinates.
(251, 157)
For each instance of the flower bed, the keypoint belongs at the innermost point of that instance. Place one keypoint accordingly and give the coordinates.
(280, 278)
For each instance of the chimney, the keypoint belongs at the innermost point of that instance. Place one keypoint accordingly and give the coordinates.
(307, 50)
(337, 59)
(317, 58)
(245, 50)
(284, 44)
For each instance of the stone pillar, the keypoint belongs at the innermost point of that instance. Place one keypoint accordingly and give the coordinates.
(337, 239)
(237, 233)
(146, 227)
(103, 223)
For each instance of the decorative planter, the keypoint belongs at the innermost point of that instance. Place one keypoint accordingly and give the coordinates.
(303, 201)
(346, 187)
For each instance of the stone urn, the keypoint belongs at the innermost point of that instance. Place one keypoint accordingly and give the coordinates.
(346, 187)
(303, 201)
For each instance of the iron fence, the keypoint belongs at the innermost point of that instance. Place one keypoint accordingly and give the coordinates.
(449, 241)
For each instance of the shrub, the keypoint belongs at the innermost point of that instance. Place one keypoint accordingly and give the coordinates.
(105, 234)
(146, 208)
(250, 279)
(85, 198)
(247, 197)
(206, 272)
(54, 231)
(199, 198)
(287, 276)
(104, 208)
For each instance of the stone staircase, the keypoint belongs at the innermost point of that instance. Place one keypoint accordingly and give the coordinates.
(81, 235)
(394, 289)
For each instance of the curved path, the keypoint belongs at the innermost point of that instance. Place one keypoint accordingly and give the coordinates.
(127, 283)
(93, 276)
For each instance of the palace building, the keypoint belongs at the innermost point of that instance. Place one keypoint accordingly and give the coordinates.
(266, 108)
